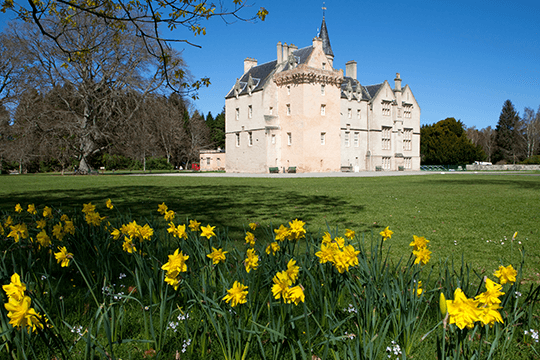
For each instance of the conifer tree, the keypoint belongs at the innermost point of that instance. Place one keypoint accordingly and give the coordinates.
(507, 139)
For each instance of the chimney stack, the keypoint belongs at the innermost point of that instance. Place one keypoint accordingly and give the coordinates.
(279, 52)
(285, 51)
(249, 63)
(350, 69)
(397, 82)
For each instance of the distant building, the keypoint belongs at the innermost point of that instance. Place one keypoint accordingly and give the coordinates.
(300, 113)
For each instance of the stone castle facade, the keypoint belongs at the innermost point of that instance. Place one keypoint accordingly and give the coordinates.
(300, 113)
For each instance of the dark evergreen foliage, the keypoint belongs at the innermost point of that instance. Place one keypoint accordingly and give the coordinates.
(507, 140)
(446, 143)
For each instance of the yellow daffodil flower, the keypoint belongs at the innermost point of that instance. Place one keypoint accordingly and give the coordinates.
(63, 256)
(250, 238)
(252, 260)
(419, 242)
(273, 248)
(32, 209)
(237, 294)
(16, 288)
(207, 231)
(194, 225)
(349, 234)
(18, 208)
(386, 233)
(506, 274)
(217, 255)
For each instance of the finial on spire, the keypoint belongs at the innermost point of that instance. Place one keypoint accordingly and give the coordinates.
(323, 9)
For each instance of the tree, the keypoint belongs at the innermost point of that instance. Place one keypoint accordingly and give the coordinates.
(487, 141)
(144, 19)
(507, 139)
(446, 143)
(106, 85)
(531, 125)
(217, 129)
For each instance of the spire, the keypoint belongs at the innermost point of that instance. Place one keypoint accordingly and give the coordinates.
(323, 35)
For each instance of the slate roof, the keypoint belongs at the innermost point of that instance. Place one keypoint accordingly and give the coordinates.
(367, 92)
(325, 39)
(261, 74)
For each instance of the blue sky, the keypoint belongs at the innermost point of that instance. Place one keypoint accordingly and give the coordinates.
(462, 59)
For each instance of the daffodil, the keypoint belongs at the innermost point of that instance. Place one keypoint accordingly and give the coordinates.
(326, 254)
(281, 285)
(386, 233)
(63, 256)
(349, 234)
(88, 208)
(169, 215)
(252, 260)
(40, 224)
(69, 228)
(16, 288)
(297, 230)
(194, 225)
(128, 246)
(237, 294)
(422, 256)
(58, 231)
(462, 311)
(292, 270)
(282, 233)
(506, 274)
(442, 304)
(47, 212)
(208, 231)
(492, 293)
(250, 238)
(327, 238)
(93, 218)
(419, 242)
(22, 315)
(18, 232)
(177, 262)
(217, 255)
(295, 295)
(273, 248)
(18, 208)
(32, 209)
(116, 234)
(162, 209)
(419, 289)
(43, 239)
(109, 204)
(253, 226)
(490, 315)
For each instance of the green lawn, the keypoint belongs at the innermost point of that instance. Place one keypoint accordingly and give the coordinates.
(460, 214)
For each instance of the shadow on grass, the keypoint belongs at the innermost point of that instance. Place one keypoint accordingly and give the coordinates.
(527, 182)
(225, 206)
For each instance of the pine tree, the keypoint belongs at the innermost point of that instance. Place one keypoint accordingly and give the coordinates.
(507, 135)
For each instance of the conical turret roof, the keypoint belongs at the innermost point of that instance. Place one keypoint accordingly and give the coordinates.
(323, 35)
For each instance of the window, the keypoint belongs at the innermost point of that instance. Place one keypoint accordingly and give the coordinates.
(386, 108)
(347, 140)
(386, 136)
(288, 109)
(358, 114)
(323, 110)
(250, 111)
(407, 139)
(273, 138)
(386, 163)
(323, 66)
(323, 138)
(288, 89)
(271, 110)
(323, 89)
(349, 113)
(407, 111)
(237, 139)
(289, 139)
(250, 138)
(237, 114)
(408, 163)
(208, 161)
(356, 139)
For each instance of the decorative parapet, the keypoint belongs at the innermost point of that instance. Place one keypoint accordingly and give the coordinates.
(303, 74)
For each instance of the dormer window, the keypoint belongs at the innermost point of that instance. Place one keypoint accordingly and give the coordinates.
(250, 84)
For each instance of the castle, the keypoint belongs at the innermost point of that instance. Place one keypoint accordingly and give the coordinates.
(299, 113)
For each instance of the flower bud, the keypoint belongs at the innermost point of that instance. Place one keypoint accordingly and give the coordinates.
(442, 304)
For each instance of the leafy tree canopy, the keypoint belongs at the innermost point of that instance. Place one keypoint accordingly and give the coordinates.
(144, 19)
(446, 143)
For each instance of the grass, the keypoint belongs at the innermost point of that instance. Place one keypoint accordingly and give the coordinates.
(460, 214)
